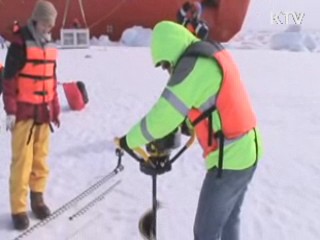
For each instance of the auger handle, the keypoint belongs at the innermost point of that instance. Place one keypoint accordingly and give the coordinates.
(142, 156)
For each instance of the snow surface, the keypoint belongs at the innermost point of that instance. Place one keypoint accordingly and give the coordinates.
(294, 38)
(283, 199)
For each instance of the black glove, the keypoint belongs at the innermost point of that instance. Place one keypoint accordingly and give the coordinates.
(123, 144)
(185, 130)
(154, 166)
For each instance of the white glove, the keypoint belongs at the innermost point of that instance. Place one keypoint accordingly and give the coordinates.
(10, 122)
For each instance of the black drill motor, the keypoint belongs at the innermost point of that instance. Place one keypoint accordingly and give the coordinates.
(159, 153)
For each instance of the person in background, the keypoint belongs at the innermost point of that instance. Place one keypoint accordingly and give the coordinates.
(220, 20)
(189, 16)
(205, 93)
(31, 103)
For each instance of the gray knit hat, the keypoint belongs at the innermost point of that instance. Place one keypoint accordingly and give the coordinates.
(44, 11)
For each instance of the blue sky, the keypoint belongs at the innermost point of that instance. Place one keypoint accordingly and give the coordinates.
(259, 15)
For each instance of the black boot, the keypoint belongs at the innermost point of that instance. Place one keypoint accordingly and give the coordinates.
(20, 221)
(38, 207)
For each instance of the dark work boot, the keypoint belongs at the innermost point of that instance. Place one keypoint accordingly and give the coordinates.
(38, 207)
(20, 221)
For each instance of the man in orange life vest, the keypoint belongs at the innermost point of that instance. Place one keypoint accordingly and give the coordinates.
(206, 93)
(31, 104)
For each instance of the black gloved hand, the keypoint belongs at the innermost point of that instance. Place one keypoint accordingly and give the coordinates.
(122, 143)
(185, 130)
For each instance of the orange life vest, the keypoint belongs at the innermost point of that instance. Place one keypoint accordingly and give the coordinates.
(36, 80)
(233, 106)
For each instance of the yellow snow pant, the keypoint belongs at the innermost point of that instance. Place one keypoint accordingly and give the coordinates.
(29, 167)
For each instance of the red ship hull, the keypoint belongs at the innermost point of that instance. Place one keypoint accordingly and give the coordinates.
(102, 16)
(111, 17)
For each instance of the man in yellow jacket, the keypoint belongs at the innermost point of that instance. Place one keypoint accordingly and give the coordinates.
(205, 90)
(31, 104)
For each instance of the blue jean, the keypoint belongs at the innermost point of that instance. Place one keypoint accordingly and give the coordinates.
(218, 213)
